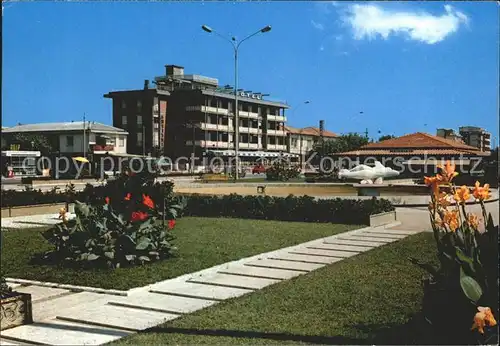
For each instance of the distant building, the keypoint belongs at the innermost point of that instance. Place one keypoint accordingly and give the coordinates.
(185, 114)
(450, 134)
(68, 138)
(476, 137)
(301, 141)
(420, 151)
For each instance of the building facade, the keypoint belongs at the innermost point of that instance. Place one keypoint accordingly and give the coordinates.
(300, 141)
(74, 138)
(449, 134)
(476, 137)
(197, 117)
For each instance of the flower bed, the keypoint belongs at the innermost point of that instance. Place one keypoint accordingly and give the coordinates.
(463, 290)
(116, 226)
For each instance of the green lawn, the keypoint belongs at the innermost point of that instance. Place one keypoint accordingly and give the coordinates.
(366, 299)
(202, 243)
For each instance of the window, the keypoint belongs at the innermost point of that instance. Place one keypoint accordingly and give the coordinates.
(69, 141)
(124, 104)
(139, 105)
(139, 120)
(139, 137)
(121, 142)
(124, 120)
(294, 142)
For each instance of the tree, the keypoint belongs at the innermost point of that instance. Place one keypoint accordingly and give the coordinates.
(385, 137)
(349, 142)
(29, 141)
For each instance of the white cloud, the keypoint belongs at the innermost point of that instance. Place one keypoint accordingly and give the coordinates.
(370, 21)
(318, 26)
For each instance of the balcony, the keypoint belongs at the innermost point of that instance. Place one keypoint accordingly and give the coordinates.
(211, 144)
(279, 118)
(102, 148)
(208, 109)
(249, 115)
(252, 130)
(276, 133)
(244, 146)
(277, 147)
(216, 127)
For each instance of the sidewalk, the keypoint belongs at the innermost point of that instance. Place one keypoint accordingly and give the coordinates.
(63, 317)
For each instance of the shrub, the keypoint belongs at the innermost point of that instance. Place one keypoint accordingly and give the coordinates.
(116, 229)
(291, 208)
(5, 290)
(281, 171)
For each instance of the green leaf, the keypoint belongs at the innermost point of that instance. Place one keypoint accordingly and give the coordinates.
(130, 258)
(109, 254)
(143, 243)
(426, 266)
(470, 287)
(144, 258)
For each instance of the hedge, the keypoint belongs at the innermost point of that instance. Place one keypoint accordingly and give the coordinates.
(291, 208)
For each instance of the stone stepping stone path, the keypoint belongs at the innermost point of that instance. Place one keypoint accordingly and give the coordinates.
(65, 316)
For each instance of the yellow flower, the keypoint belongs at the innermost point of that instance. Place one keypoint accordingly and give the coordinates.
(481, 193)
(484, 317)
(462, 194)
(62, 213)
(448, 171)
(473, 221)
(443, 200)
(450, 218)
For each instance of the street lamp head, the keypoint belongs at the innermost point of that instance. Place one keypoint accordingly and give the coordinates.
(206, 28)
(266, 29)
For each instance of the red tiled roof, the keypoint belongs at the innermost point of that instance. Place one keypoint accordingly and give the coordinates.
(418, 140)
(311, 131)
(415, 144)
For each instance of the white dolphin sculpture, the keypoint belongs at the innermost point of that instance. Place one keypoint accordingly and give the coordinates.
(369, 175)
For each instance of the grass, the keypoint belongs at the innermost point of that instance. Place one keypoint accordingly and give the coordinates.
(202, 243)
(366, 299)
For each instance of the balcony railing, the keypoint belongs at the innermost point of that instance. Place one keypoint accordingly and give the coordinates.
(103, 147)
(280, 147)
(276, 132)
(216, 127)
(280, 118)
(210, 144)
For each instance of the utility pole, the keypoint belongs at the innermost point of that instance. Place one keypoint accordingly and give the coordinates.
(83, 144)
(366, 133)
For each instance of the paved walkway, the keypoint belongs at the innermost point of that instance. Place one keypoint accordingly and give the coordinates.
(63, 317)
(32, 221)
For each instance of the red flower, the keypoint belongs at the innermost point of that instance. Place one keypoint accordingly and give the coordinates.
(128, 196)
(139, 216)
(171, 224)
(147, 201)
(107, 200)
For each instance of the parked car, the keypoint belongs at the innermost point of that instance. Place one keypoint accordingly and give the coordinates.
(258, 169)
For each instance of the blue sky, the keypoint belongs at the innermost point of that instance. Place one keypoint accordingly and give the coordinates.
(404, 65)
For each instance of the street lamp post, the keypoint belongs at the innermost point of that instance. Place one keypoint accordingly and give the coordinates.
(300, 132)
(236, 46)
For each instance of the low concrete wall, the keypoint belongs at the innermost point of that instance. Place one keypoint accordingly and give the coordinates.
(382, 219)
(40, 209)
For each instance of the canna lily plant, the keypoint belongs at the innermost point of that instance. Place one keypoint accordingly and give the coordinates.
(466, 251)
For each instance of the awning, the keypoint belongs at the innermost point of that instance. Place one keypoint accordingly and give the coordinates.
(126, 155)
(22, 153)
(81, 159)
(251, 153)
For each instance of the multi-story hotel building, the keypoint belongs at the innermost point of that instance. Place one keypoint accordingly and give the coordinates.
(186, 114)
(476, 137)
